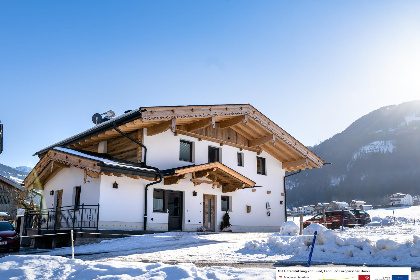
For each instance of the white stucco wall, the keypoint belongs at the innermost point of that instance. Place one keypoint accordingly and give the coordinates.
(66, 180)
(121, 208)
(163, 152)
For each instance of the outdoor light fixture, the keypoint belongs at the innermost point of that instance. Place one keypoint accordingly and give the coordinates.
(115, 185)
(52, 192)
(194, 193)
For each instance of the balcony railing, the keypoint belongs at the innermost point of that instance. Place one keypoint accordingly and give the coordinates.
(63, 218)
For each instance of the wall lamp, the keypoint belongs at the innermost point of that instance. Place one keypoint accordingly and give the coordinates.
(115, 185)
(52, 192)
(194, 193)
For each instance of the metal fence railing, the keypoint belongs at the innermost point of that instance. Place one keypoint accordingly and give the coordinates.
(63, 218)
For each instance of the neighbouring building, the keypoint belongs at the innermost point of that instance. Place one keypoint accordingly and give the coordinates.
(401, 199)
(171, 168)
(9, 196)
(356, 204)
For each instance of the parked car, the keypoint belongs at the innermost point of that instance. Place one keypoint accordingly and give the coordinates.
(9, 238)
(334, 219)
(362, 216)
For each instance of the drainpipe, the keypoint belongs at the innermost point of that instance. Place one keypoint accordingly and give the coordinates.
(144, 165)
(284, 184)
(145, 197)
(135, 141)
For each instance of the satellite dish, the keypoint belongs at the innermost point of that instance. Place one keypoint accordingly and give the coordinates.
(97, 118)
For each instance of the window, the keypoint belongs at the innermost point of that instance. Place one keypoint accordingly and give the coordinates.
(261, 166)
(226, 203)
(158, 200)
(4, 198)
(76, 200)
(185, 151)
(214, 154)
(240, 159)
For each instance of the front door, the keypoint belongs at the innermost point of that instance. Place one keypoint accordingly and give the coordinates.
(58, 205)
(174, 200)
(209, 212)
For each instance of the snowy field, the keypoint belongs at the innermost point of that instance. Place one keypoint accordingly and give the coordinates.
(228, 255)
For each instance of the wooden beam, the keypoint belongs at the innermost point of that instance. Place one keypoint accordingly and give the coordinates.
(171, 180)
(159, 128)
(199, 124)
(92, 174)
(202, 181)
(201, 174)
(234, 121)
(203, 137)
(293, 164)
(139, 148)
(262, 140)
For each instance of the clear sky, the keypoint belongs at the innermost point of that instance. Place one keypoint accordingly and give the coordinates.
(313, 67)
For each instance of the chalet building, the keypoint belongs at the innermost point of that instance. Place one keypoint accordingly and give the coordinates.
(171, 168)
(401, 199)
(9, 196)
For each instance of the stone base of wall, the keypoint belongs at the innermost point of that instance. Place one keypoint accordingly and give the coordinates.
(116, 225)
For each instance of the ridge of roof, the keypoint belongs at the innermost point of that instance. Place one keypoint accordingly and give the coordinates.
(122, 119)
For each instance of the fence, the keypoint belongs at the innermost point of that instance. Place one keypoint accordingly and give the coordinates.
(63, 218)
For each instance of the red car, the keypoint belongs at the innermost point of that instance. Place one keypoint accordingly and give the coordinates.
(334, 219)
(9, 238)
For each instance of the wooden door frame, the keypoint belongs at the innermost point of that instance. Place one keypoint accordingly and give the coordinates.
(212, 226)
(59, 193)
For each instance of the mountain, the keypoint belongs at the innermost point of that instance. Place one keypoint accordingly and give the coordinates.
(377, 155)
(16, 174)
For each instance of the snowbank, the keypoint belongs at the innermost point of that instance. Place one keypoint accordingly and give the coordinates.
(289, 228)
(341, 247)
(51, 267)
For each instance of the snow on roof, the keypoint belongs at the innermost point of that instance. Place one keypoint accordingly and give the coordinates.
(111, 163)
(11, 182)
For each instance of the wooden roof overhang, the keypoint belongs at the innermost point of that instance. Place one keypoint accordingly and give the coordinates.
(215, 174)
(240, 126)
(54, 161)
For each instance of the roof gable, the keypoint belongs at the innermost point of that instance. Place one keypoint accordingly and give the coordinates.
(240, 126)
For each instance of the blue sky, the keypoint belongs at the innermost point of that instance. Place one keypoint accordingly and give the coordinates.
(313, 67)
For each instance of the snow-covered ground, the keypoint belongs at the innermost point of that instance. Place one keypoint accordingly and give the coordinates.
(221, 256)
